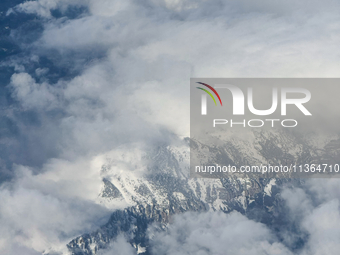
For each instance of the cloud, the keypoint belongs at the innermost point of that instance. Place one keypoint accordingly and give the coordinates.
(323, 225)
(115, 78)
(30, 94)
(316, 212)
(43, 8)
(216, 233)
(315, 223)
(120, 247)
(44, 211)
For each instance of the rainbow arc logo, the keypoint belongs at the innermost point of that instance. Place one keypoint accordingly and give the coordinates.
(209, 93)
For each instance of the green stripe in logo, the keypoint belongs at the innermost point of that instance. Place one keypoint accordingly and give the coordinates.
(208, 93)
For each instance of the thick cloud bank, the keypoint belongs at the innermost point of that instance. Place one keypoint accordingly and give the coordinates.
(83, 78)
(217, 233)
(313, 210)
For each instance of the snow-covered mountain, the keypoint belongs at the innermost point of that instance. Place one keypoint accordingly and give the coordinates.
(154, 185)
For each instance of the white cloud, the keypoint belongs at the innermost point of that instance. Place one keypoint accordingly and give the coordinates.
(43, 7)
(119, 247)
(323, 225)
(216, 233)
(135, 91)
(46, 210)
(316, 211)
(31, 94)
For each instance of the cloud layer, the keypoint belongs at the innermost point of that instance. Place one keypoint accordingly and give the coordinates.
(312, 218)
(92, 76)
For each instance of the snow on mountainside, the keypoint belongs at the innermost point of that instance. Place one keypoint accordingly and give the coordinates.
(153, 185)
